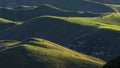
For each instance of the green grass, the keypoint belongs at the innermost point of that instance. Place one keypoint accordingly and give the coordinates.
(46, 54)
(5, 21)
(49, 45)
(109, 21)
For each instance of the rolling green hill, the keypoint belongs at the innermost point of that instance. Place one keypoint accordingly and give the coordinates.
(73, 33)
(22, 13)
(90, 35)
(109, 21)
(40, 53)
(74, 5)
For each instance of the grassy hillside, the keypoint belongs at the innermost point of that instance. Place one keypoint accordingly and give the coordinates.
(86, 26)
(37, 53)
(79, 5)
(22, 13)
(91, 35)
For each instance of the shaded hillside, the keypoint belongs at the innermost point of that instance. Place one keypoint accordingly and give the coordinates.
(53, 29)
(22, 13)
(94, 36)
(81, 5)
(39, 53)
(114, 63)
(100, 43)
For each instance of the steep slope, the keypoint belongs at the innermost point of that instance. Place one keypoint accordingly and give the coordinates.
(114, 63)
(37, 53)
(94, 36)
(22, 13)
(82, 5)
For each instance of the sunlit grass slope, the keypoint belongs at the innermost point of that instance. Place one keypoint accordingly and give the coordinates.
(40, 53)
(110, 21)
(5, 20)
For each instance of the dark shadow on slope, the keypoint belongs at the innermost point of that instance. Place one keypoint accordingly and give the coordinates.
(114, 63)
(6, 25)
(52, 29)
(101, 43)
